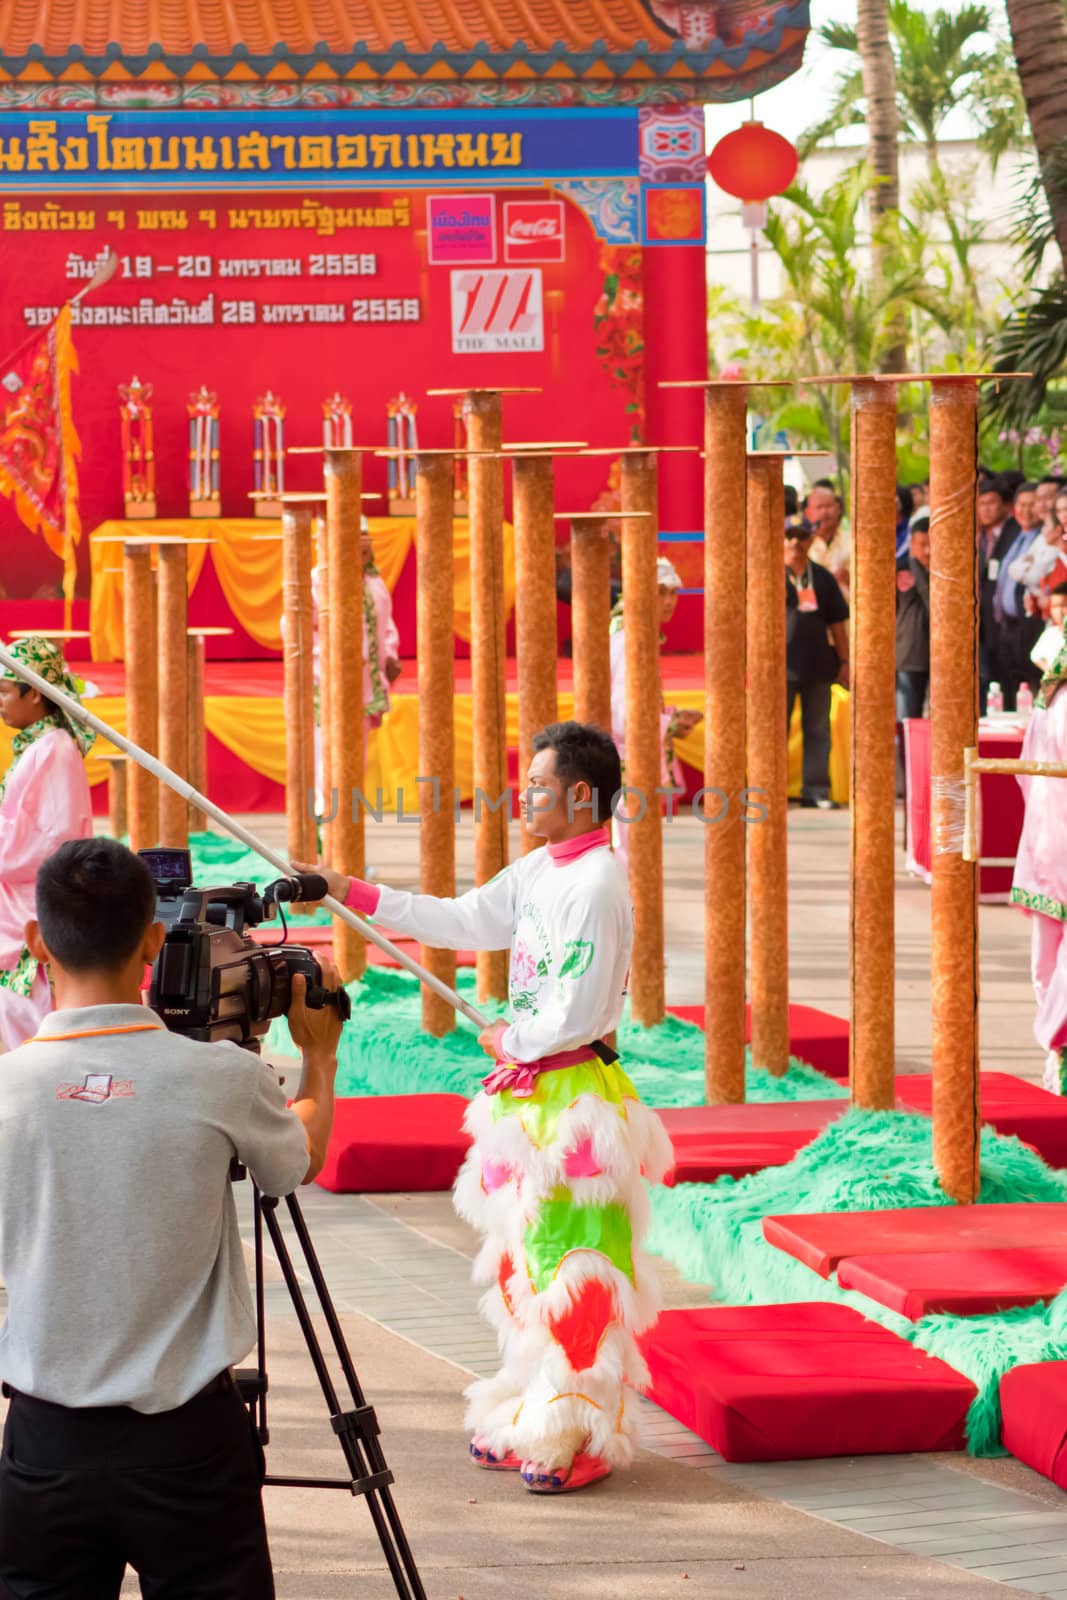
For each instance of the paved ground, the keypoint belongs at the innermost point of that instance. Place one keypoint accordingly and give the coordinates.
(682, 1522)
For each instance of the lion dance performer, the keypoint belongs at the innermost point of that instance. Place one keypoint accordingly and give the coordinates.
(44, 801)
(555, 1180)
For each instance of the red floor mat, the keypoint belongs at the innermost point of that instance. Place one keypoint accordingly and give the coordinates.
(822, 1239)
(1010, 1105)
(390, 1144)
(965, 1284)
(1033, 1403)
(814, 1036)
(779, 1383)
(731, 1141)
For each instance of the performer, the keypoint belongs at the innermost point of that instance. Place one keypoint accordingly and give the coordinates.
(1040, 881)
(381, 641)
(562, 1145)
(674, 724)
(44, 801)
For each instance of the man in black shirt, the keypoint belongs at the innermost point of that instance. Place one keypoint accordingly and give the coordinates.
(816, 645)
(913, 623)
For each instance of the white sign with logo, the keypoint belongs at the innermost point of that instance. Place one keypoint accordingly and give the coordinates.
(497, 310)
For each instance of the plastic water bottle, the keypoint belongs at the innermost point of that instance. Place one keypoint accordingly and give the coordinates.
(1024, 702)
(994, 700)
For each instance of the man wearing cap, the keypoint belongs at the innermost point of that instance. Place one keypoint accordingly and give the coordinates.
(674, 724)
(44, 801)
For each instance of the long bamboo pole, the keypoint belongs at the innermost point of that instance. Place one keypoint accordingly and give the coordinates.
(536, 642)
(644, 743)
(346, 731)
(484, 413)
(434, 479)
(173, 687)
(142, 695)
(953, 729)
(299, 687)
(768, 876)
(873, 757)
(725, 501)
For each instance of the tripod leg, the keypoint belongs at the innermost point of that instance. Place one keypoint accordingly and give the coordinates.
(357, 1430)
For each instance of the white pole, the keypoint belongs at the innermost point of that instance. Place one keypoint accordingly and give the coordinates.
(165, 775)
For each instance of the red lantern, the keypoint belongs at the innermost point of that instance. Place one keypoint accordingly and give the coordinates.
(753, 163)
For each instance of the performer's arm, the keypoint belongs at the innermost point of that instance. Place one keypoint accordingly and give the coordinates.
(585, 984)
(481, 919)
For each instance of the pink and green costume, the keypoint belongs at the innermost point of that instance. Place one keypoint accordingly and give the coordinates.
(563, 1150)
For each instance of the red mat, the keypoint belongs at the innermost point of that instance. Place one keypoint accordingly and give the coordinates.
(780, 1383)
(822, 1239)
(390, 1144)
(814, 1036)
(1010, 1105)
(1033, 1403)
(732, 1141)
(965, 1283)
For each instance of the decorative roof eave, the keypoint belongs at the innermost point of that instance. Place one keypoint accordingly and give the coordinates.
(719, 73)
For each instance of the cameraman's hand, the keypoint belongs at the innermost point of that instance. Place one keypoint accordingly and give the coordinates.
(317, 1033)
(336, 881)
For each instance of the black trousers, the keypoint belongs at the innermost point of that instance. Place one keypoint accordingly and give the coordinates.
(911, 694)
(815, 722)
(176, 1496)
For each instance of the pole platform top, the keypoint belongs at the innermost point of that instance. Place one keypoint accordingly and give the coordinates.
(535, 445)
(475, 389)
(266, 538)
(115, 756)
(639, 450)
(147, 540)
(908, 377)
(329, 450)
(598, 516)
(49, 633)
(392, 453)
(209, 633)
(293, 497)
(785, 455)
(726, 383)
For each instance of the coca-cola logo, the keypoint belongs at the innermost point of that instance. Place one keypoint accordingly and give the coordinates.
(534, 231)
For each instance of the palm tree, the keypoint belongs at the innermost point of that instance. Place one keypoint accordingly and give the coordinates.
(1039, 37)
(880, 90)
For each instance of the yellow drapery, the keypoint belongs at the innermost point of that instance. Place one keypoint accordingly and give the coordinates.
(253, 727)
(247, 555)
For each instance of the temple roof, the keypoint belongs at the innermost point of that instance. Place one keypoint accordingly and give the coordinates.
(716, 49)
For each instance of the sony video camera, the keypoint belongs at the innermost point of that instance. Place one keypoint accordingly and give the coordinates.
(210, 981)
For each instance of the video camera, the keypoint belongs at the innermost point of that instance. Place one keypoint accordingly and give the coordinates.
(210, 981)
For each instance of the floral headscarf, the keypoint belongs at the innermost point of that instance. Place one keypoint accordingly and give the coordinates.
(1054, 678)
(45, 658)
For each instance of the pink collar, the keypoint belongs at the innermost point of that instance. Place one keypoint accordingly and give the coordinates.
(570, 849)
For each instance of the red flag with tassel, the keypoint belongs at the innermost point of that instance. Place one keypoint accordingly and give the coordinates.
(39, 446)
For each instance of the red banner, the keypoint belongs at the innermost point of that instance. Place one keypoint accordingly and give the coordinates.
(38, 445)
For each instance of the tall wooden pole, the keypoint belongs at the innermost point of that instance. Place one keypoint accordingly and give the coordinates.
(173, 688)
(345, 732)
(644, 744)
(953, 729)
(434, 478)
(142, 696)
(299, 682)
(116, 795)
(483, 410)
(536, 640)
(591, 614)
(725, 449)
(873, 755)
(767, 763)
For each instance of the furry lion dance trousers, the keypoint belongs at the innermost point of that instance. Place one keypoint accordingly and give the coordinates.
(556, 1183)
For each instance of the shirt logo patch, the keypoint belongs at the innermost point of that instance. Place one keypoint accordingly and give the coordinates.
(96, 1087)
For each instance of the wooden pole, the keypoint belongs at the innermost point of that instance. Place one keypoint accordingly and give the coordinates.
(484, 412)
(299, 690)
(591, 613)
(873, 757)
(767, 762)
(196, 653)
(346, 731)
(536, 639)
(116, 796)
(173, 689)
(644, 743)
(434, 479)
(725, 452)
(320, 604)
(953, 729)
(142, 696)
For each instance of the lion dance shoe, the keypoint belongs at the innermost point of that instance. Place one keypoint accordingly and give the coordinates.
(482, 1456)
(583, 1471)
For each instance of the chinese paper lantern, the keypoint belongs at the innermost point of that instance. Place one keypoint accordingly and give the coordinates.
(753, 163)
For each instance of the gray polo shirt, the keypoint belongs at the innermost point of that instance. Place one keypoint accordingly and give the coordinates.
(119, 1243)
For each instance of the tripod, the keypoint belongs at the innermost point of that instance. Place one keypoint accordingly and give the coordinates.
(356, 1428)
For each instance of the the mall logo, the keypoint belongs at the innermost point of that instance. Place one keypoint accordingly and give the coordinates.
(534, 231)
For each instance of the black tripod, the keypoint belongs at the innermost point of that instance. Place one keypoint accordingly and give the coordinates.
(357, 1428)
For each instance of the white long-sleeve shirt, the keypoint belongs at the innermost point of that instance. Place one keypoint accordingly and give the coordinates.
(569, 926)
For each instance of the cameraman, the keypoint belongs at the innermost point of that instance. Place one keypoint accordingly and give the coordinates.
(126, 1440)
